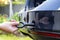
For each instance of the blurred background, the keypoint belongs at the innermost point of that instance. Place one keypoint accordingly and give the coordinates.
(9, 9)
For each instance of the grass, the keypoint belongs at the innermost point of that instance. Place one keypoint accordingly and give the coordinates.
(9, 36)
(13, 37)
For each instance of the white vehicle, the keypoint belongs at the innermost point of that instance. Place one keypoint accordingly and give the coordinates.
(44, 19)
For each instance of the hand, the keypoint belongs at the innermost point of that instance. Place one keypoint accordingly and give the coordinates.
(9, 26)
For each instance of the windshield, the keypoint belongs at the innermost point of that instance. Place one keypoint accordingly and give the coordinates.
(45, 20)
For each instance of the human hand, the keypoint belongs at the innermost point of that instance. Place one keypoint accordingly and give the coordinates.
(9, 26)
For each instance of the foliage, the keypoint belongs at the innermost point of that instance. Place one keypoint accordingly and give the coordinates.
(16, 17)
(6, 2)
(19, 2)
(3, 18)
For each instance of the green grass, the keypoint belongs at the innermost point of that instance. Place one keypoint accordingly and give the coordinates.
(13, 37)
(9, 36)
(18, 2)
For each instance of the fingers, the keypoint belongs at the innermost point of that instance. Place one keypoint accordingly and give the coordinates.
(12, 20)
(14, 23)
(14, 29)
(9, 28)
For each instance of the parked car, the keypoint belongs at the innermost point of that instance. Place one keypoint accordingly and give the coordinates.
(44, 23)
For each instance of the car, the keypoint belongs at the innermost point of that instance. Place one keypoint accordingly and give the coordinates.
(45, 16)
